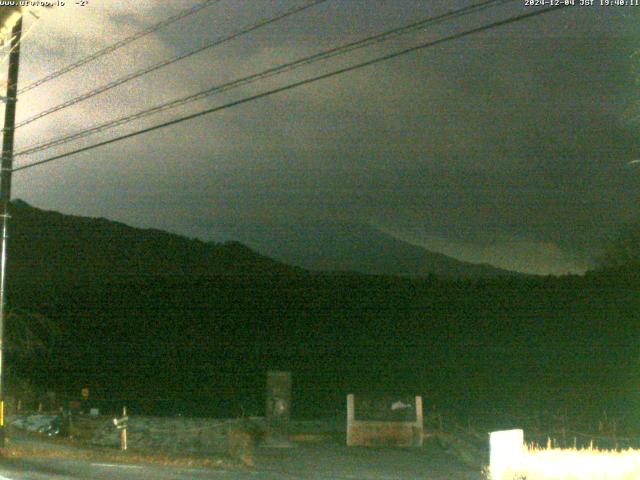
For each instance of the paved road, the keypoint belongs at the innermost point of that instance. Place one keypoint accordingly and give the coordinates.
(56, 469)
(320, 462)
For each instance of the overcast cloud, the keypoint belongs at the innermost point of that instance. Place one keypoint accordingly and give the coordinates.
(509, 147)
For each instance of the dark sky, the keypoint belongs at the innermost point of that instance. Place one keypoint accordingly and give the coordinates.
(509, 147)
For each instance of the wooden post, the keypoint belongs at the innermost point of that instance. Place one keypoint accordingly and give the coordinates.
(419, 428)
(123, 432)
(69, 422)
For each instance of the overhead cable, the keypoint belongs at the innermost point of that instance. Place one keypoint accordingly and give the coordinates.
(170, 61)
(297, 84)
(326, 54)
(115, 46)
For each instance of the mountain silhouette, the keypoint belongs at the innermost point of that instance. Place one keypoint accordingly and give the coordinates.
(322, 245)
(46, 244)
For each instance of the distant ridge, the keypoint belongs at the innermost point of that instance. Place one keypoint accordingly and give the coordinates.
(344, 246)
(50, 244)
(53, 245)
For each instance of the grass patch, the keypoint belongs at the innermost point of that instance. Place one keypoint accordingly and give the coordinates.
(72, 450)
(538, 463)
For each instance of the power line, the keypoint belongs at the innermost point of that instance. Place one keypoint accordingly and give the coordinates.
(326, 54)
(164, 63)
(297, 84)
(119, 44)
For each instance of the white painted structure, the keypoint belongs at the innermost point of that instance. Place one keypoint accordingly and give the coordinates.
(507, 453)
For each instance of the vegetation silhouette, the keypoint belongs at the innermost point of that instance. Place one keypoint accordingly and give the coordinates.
(171, 325)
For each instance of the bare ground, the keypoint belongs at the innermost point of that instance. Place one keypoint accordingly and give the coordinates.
(330, 460)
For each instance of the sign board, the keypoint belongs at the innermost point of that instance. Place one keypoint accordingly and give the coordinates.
(385, 408)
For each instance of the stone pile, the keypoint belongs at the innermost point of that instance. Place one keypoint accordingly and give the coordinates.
(170, 434)
(187, 435)
(35, 422)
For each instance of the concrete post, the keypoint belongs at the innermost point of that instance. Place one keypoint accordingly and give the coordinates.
(419, 428)
(351, 416)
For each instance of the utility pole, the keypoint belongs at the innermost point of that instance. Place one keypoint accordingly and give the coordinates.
(5, 193)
